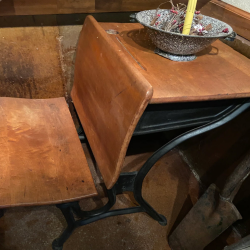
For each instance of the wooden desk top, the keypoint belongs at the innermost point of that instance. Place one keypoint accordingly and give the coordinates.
(219, 72)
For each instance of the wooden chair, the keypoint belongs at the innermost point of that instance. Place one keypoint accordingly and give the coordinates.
(109, 103)
(42, 160)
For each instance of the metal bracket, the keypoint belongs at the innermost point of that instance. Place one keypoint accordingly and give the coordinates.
(231, 37)
(125, 182)
(133, 18)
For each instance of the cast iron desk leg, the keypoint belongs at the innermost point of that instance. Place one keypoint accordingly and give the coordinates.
(133, 182)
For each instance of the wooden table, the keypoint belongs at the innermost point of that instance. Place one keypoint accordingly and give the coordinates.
(209, 86)
(218, 73)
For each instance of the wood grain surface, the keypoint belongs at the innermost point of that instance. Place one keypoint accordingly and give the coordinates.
(237, 18)
(42, 161)
(35, 7)
(110, 97)
(219, 72)
(30, 65)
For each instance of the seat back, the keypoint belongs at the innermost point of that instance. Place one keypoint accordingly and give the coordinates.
(109, 95)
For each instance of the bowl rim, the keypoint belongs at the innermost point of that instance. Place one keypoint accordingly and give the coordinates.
(173, 33)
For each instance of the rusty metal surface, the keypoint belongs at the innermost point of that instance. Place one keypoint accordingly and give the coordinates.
(204, 222)
(30, 63)
(212, 214)
(241, 45)
(236, 179)
(242, 244)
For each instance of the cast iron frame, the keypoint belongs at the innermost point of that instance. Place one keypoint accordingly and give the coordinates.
(132, 182)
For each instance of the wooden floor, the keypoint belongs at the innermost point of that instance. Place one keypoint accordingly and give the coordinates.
(30, 64)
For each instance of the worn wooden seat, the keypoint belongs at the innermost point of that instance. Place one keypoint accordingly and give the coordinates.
(42, 161)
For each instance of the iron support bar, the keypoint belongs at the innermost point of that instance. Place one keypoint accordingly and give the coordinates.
(116, 212)
(133, 182)
(83, 214)
(172, 144)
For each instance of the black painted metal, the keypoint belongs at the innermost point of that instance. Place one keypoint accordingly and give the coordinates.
(111, 202)
(80, 133)
(125, 182)
(169, 116)
(133, 182)
(172, 144)
(68, 215)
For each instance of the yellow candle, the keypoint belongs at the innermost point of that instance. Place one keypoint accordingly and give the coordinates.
(189, 16)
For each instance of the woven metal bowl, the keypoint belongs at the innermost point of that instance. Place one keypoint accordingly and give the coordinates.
(179, 44)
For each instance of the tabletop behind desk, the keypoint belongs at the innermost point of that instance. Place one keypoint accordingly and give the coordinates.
(218, 73)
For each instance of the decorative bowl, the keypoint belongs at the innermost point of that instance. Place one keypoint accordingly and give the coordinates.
(178, 44)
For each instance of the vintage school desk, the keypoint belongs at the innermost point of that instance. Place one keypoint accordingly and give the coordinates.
(121, 88)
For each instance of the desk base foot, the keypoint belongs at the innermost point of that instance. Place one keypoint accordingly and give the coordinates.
(55, 245)
(164, 220)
